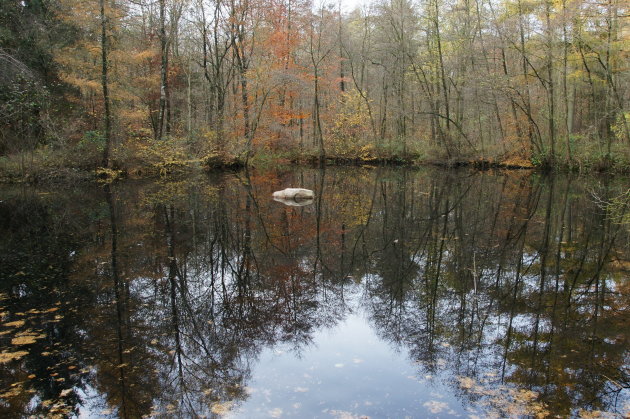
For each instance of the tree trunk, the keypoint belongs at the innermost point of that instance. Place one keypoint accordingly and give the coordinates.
(163, 123)
(105, 86)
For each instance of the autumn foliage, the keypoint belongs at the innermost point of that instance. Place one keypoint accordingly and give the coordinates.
(516, 82)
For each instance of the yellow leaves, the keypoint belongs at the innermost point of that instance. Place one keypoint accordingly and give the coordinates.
(85, 85)
(29, 336)
(501, 400)
(144, 55)
(133, 115)
(23, 340)
(107, 175)
(351, 126)
(6, 357)
(17, 323)
(367, 153)
(80, 61)
(12, 392)
(26, 338)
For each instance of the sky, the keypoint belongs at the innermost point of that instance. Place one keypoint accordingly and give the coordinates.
(347, 5)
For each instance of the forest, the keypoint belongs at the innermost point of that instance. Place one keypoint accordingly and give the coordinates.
(143, 87)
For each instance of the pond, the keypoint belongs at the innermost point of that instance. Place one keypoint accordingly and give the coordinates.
(394, 293)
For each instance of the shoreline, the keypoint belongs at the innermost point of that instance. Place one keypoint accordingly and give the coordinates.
(64, 175)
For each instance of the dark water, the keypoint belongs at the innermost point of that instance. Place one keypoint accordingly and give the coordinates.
(394, 293)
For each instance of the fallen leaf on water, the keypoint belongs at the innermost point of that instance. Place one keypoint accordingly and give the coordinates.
(221, 408)
(65, 393)
(275, 413)
(10, 356)
(591, 414)
(15, 391)
(435, 406)
(342, 414)
(466, 382)
(17, 323)
(23, 340)
(26, 338)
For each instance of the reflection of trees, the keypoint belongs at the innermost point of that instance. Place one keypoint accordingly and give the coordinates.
(173, 290)
(223, 283)
(39, 237)
(527, 271)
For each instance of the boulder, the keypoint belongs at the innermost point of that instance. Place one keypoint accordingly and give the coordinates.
(294, 193)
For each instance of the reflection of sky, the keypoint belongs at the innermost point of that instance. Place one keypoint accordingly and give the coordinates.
(347, 372)
(94, 404)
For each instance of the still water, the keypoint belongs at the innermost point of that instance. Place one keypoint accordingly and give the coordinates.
(394, 293)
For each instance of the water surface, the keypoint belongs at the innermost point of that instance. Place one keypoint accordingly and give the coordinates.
(394, 293)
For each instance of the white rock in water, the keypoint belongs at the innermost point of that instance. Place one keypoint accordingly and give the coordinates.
(294, 193)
